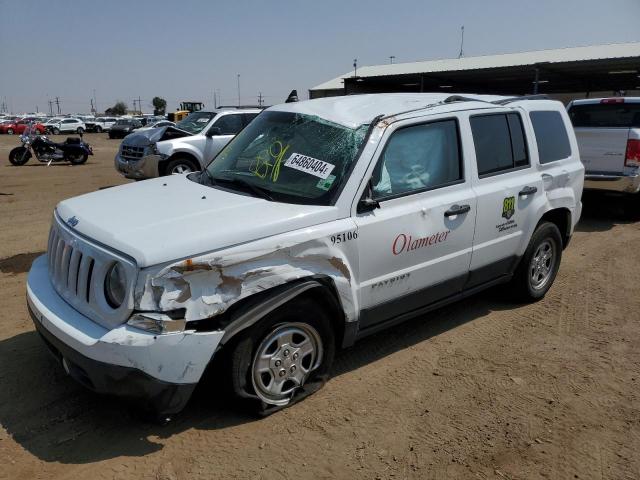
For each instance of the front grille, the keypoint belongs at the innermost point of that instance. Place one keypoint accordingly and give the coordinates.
(77, 270)
(130, 152)
(70, 269)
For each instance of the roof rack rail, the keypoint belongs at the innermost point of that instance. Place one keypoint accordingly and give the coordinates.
(451, 99)
(462, 98)
(505, 101)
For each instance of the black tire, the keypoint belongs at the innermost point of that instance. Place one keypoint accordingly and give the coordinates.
(9, 131)
(535, 274)
(19, 156)
(181, 165)
(240, 355)
(80, 130)
(631, 206)
(55, 131)
(77, 159)
(98, 129)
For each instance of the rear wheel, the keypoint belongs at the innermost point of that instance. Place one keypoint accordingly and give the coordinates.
(540, 263)
(80, 130)
(19, 156)
(98, 129)
(180, 165)
(10, 131)
(283, 358)
(55, 130)
(77, 158)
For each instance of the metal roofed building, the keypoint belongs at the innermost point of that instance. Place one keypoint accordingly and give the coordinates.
(576, 71)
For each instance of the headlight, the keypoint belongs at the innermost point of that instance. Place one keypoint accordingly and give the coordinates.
(157, 322)
(115, 285)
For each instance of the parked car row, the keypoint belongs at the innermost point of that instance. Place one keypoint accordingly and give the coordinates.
(58, 125)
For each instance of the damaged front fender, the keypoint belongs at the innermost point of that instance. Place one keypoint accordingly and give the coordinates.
(207, 285)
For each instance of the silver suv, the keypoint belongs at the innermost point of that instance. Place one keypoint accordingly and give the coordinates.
(184, 148)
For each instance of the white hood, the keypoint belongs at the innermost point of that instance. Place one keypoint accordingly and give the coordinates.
(169, 218)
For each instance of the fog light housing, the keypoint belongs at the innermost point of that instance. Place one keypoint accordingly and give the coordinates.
(159, 323)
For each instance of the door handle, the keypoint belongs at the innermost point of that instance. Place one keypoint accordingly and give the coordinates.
(457, 210)
(527, 191)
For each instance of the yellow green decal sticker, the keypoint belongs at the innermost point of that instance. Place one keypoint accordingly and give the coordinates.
(267, 163)
(325, 183)
(508, 207)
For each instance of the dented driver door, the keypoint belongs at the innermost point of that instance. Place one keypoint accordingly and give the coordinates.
(415, 249)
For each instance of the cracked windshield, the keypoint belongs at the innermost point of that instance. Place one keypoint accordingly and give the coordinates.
(289, 157)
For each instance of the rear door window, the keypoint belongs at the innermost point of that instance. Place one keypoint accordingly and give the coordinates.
(605, 115)
(499, 143)
(551, 136)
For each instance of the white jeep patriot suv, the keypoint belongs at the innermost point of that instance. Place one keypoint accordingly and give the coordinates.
(321, 222)
(185, 148)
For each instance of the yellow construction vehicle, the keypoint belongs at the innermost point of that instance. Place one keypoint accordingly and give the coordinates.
(185, 109)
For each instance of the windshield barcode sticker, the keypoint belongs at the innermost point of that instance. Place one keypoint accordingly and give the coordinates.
(309, 165)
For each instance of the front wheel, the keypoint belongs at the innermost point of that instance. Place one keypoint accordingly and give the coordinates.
(540, 263)
(180, 166)
(55, 131)
(77, 158)
(283, 358)
(98, 129)
(10, 131)
(80, 130)
(19, 156)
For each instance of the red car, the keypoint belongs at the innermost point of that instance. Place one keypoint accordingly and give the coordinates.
(19, 127)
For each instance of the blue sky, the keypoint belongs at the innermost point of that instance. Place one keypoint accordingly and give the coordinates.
(186, 50)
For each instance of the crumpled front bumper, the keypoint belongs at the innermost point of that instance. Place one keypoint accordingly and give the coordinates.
(161, 371)
(145, 167)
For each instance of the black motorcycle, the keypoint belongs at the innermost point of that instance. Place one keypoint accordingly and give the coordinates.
(73, 150)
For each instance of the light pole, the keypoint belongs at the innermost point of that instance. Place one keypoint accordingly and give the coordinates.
(355, 67)
(391, 59)
(238, 89)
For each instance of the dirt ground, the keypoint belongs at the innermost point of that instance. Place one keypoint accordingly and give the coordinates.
(481, 389)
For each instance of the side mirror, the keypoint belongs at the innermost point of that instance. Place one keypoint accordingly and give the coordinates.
(214, 131)
(367, 203)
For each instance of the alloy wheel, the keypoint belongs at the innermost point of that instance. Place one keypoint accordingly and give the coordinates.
(284, 360)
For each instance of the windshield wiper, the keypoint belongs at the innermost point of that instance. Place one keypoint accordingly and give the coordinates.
(260, 192)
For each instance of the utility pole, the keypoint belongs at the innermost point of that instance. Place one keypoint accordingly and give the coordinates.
(58, 104)
(92, 109)
(536, 81)
(260, 99)
(355, 67)
(391, 59)
(95, 102)
(238, 89)
(461, 54)
(50, 107)
(140, 105)
(215, 102)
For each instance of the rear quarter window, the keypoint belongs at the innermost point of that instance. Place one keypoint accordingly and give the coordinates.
(551, 136)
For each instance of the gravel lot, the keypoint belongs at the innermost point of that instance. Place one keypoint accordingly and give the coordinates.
(481, 389)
